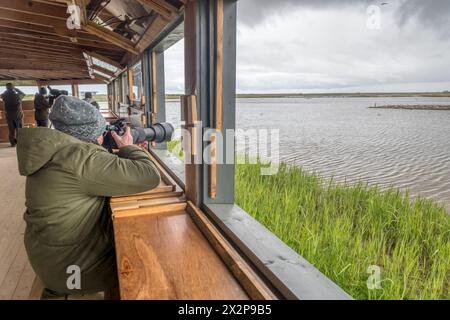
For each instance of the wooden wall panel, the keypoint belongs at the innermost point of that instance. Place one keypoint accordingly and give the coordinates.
(28, 110)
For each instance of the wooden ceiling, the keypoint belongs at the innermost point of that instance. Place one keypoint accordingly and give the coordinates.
(36, 43)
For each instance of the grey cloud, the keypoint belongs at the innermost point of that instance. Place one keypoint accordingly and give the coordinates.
(336, 54)
(431, 13)
(252, 12)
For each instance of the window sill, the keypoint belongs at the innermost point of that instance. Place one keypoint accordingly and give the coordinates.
(174, 166)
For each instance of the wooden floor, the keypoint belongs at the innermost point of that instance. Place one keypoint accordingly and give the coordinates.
(16, 275)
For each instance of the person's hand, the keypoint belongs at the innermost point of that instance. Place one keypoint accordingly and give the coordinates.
(143, 145)
(125, 140)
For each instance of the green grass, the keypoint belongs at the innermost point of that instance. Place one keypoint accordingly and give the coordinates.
(343, 229)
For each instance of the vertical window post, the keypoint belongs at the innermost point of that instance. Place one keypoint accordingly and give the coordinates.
(157, 90)
(210, 62)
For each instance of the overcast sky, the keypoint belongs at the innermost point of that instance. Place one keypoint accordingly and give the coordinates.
(327, 46)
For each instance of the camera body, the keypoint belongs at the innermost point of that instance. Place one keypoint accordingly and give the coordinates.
(55, 93)
(160, 132)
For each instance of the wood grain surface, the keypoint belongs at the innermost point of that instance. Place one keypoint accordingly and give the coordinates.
(165, 256)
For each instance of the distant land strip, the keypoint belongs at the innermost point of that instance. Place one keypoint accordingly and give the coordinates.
(335, 95)
(414, 107)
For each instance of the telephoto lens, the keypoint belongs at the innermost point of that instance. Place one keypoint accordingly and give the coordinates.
(160, 132)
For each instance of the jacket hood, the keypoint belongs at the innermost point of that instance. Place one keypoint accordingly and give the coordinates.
(37, 146)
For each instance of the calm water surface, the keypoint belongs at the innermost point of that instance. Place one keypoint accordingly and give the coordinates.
(344, 139)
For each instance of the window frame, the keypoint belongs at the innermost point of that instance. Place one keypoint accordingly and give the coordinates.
(285, 269)
(139, 101)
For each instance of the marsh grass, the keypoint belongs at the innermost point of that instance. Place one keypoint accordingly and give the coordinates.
(344, 229)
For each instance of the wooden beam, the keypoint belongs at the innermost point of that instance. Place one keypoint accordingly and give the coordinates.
(104, 59)
(53, 31)
(34, 28)
(151, 33)
(130, 83)
(30, 48)
(166, 5)
(50, 38)
(103, 70)
(12, 58)
(75, 90)
(218, 99)
(38, 65)
(39, 56)
(46, 74)
(34, 51)
(192, 168)
(40, 74)
(82, 5)
(60, 3)
(159, 8)
(30, 18)
(18, 41)
(102, 78)
(190, 117)
(110, 36)
(74, 81)
(19, 65)
(35, 8)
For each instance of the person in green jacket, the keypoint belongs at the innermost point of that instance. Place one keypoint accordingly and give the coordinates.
(69, 178)
(41, 108)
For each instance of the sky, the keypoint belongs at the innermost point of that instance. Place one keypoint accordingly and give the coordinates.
(305, 46)
(313, 46)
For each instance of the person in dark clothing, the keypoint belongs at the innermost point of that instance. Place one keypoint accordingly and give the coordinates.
(41, 107)
(89, 99)
(12, 99)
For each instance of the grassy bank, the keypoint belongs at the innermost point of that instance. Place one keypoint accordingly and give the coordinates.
(343, 230)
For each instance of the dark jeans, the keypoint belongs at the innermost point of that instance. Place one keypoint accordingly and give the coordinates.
(14, 125)
(42, 123)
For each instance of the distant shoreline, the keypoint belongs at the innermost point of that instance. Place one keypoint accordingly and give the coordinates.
(176, 97)
(334, 95)
(414, 107)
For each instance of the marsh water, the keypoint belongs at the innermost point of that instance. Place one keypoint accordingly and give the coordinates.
(344, 139)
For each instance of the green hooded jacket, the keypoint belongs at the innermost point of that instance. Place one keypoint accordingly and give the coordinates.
(68, 220)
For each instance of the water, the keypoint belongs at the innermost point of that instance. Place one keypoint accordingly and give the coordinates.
(344, 139)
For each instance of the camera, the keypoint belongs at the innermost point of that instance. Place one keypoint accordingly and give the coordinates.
(160, 132)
